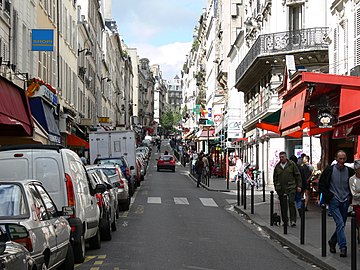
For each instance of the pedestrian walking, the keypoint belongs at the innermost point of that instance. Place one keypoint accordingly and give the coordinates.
(299, 195)
(239, 167)
(335, 191)
(354, 183)
(307, 170)
(199, 167)
(211, 164)
(287, 181)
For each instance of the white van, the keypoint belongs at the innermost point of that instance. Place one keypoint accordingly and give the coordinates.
(63, 175)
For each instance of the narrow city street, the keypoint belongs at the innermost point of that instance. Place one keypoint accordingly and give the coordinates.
(172, 224)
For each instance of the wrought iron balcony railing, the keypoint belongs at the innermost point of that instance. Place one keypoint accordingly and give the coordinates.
(282, 43)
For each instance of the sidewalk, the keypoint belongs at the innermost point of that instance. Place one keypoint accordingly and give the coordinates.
(311, 250)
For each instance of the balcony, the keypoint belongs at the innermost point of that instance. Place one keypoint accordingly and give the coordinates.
(269, 105)
(311, 41)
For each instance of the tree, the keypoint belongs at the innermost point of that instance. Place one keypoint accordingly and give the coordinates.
(170, 119)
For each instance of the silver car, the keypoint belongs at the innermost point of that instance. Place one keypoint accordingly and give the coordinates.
(14, 256)
(119, 181)
(31, 219)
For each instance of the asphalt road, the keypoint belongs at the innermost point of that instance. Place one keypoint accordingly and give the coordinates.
(172, 224)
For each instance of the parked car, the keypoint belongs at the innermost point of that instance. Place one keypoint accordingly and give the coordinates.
(145, 150)
(30, 216)
(119, 181)
(125, 169)
(14, 256)
(63, 174)
(166, 162)
(106, 201)
(142, 168)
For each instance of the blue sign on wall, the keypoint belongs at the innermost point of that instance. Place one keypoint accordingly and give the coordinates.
(42, 40)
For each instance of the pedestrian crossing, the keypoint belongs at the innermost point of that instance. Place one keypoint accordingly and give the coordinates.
(208, 202)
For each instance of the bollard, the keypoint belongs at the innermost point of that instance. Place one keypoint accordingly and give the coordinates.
(271, 208)
(323, 230)
(252, 199)
(244, 194)
(353, 241)
(286, 209)
(302, 223)
(238, 192)
(263, 185)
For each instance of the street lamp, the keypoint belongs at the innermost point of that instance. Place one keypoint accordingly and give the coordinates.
(86, 50)
(106, 78)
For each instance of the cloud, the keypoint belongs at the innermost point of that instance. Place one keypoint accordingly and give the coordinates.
(170, 57)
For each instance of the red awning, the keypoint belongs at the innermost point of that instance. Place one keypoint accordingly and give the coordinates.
(292, 114)
(268, 127)
(240, 139)
(346, 128)
(15, 115)
(349, 105)
(75, 141)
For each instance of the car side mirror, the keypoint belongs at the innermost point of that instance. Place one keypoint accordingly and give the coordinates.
(132, 168)
(67, 211)
(100, 188)
(108, 186)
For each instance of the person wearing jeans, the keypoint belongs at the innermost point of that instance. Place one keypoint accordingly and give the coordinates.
(335, 190)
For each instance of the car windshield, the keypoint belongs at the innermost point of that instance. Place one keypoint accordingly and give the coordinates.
(166, 158)
(108, 171)
(110, 161)
(12, 203)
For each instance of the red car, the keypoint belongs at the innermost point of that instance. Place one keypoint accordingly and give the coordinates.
(166, 162)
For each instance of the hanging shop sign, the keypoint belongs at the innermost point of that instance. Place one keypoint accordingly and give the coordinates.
(325, 119)
(39, 88)
(42, 40)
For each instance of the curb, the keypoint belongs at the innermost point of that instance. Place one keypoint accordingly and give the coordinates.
(309, 255)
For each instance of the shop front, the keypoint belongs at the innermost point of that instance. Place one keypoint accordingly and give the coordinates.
(322, 106)
(15, 115)
(44, 104)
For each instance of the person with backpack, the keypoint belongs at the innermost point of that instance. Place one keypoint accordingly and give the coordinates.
(199, 167)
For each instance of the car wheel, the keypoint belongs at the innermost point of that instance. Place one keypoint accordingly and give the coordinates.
(105, 229)
(158, 169)
(138, 183)
(69, 260)
(117, 214)
(79, 250)
(95, 241)
(173, 170)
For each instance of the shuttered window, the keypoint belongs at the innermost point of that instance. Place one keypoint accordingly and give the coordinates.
(357, 36)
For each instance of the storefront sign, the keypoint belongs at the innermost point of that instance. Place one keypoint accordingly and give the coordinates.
(42, 40)
(104, 120)
(325, 119)
(46, 94)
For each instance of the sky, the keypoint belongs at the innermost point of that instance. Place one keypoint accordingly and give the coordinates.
(161, 30)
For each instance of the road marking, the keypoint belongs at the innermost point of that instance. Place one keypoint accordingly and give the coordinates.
(181, 200)
(208, 202)
(102, 257)
(98, 262)
(231, 200)
(95, 268)
(139, 209)
(154, 200)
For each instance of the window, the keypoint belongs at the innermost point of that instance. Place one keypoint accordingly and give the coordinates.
(38, 206)
(49, 204)
(295, 17)
(12, 201)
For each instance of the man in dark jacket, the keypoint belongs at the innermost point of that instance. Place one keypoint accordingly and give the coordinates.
(287, 181)
(335, 191)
